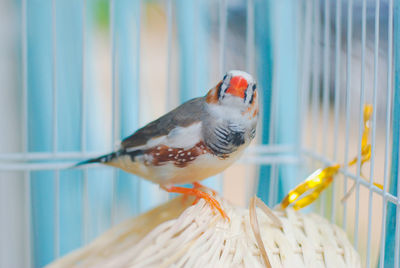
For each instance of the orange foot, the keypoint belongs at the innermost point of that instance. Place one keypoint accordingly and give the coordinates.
(197, 185)
(198, 194)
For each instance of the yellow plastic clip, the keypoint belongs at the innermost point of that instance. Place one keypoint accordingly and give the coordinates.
(308, 191)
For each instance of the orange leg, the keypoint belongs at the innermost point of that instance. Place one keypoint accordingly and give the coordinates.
(199, 194)
(197, 185)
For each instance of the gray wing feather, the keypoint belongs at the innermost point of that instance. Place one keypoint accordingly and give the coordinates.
(184, 115)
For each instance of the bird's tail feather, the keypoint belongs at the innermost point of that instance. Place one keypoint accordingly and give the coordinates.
(104, 159)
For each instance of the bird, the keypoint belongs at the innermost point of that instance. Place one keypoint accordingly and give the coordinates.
(198, 139)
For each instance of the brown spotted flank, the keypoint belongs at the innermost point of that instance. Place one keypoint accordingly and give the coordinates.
(163, 154)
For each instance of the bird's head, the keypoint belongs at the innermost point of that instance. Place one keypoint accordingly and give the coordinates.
(237, 89)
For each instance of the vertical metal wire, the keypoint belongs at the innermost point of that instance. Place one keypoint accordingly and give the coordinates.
(57, 213)
(301, 21)
(138, 40)
(249, 62)
(222, 35)
(83, 92)
(306, 66)
(114, 106)
(338, 32)
(389, 83)
(55, 126)
(195, 45)
(387, 137)
(222, 44)
(373, 134)
(325, 103)
(361, 123)
(24, 126)
(274, 167)
(85, 216)
(54, 81)
(24, 130)
(85, 198)
(307, 62)
(315, 105)
(169, 55)
(273, 185)
(28, 227)
(315, 81)
(250, 37)
(397, 234)
(113, 72)
(348, 88)
(170, 95)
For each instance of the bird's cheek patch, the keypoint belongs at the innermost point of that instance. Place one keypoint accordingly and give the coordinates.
(212, 96)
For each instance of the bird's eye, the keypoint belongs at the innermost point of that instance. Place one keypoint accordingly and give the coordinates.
(254, 87)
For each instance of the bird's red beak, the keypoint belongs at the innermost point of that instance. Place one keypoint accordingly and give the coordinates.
(237, 86)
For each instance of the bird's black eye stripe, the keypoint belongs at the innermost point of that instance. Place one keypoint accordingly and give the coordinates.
(219, 90)
(224, 77)
(245, 95)
(251, 100)
(252, 95)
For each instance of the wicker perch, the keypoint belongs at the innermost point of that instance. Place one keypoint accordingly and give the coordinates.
(178, 235)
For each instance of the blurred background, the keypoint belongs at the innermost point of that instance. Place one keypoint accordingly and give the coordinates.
(77, 76)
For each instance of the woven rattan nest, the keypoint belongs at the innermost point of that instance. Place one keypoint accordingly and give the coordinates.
(178, 235)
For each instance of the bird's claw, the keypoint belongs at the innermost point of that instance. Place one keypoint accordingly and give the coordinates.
(199, 195)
